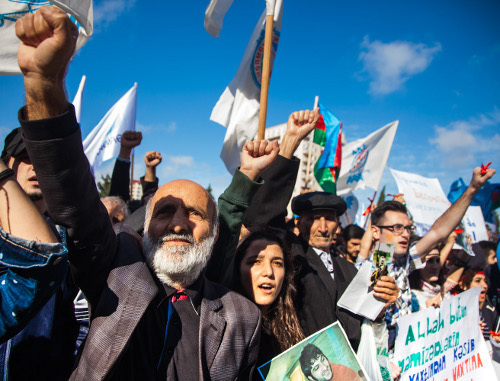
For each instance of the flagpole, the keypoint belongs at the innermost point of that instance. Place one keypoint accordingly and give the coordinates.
(131, 174)
(266, 68)
(311, 138)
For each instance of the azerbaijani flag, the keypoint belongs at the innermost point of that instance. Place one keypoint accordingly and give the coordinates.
(328, 134)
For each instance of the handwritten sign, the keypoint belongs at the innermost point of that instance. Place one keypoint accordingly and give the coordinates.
(444, 343)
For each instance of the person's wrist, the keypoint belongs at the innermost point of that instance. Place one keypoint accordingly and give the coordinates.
(45, 97)
(125, 153)
(251, 173)
(288, 146)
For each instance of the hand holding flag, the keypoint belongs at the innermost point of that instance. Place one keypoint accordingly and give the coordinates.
(484, 168)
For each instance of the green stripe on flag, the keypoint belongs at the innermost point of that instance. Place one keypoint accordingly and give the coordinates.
(319, 137)
(325, 178)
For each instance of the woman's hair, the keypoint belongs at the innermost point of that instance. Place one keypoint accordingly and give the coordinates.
(467, 276)
(281, 316)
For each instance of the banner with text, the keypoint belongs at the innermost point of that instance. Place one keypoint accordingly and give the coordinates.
(424, 198)
(444, 343)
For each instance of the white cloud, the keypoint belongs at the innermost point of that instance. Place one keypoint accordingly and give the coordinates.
(186, 161)
(390, 65)
(107, 11)
(161, 128)
(467, 143)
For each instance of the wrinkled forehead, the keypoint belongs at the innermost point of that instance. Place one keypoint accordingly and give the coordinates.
(392, 217)
(319, 359)
(183, 193)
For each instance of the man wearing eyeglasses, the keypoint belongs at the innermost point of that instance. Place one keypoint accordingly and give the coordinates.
(390, 224)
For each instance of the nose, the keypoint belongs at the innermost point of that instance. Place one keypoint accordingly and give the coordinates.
(178, 223)
(322, 225)
(267, 269)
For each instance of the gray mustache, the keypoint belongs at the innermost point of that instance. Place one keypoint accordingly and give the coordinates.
(186, 237)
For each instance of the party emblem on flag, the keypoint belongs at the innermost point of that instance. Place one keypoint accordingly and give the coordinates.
(358, 163)
(258, 55)
(33, 5)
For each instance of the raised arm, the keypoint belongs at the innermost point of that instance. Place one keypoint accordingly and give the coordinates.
(53, 141)
(233, 203)
(450, 219)
(149, 181)
(120, 179)
(269, 204)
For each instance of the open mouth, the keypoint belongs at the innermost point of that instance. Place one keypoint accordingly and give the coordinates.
(266, 288)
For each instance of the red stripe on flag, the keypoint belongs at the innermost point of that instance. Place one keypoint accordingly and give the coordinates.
(320, 125)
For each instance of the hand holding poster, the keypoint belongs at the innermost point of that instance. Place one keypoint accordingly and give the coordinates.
(325, 355)
(444, 343)
(358, 297)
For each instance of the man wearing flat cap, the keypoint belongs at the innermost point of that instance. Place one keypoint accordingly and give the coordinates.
(322, 278)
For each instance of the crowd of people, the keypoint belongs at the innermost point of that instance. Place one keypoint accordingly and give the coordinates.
(177, 286)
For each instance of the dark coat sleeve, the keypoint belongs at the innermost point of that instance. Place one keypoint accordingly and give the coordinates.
(269, 204)
(120, 180)
(55, 148)
(233, 204)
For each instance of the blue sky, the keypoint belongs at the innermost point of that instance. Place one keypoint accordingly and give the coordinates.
(433, 65)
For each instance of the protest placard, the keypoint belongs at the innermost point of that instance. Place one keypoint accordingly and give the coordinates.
(475, 225)
(358, 297)
(444, 343)
(424, 198)
(325, 355)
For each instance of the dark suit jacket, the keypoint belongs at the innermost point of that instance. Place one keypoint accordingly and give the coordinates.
(111, 270)
(317, 292)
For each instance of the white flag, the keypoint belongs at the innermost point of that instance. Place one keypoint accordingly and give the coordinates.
(363, 161)
(238, 107)
(424, 198)
(11, 10)
(77, 101)
(103, 142)
(214, 16)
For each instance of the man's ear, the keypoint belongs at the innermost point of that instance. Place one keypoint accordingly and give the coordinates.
(375, 232)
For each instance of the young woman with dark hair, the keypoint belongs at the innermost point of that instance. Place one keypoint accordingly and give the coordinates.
(263, 272)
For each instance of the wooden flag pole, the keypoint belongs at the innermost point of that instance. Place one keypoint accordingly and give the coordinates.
(311, 138)
(266, 73)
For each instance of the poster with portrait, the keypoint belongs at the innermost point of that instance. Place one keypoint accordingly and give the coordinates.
(382, 259)
(323, 356)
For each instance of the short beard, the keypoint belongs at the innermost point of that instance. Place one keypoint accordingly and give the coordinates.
(178, 266)
(35, 195)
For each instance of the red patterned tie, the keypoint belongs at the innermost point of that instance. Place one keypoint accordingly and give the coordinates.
(179, 295)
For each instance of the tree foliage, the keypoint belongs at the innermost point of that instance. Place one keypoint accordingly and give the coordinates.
(104, 185)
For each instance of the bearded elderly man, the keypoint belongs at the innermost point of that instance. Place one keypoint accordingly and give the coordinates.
(153, 313)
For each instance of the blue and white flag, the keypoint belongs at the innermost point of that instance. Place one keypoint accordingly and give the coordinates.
(80, 12)
(103, 142)
(238, 107)
(363, 161)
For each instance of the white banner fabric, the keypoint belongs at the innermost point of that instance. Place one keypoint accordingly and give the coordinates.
(12, 10)
(103, 142)
(238, 107)
(424, 198)
(363, 161)
(214, 16)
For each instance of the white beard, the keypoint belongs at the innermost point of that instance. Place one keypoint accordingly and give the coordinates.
(178, 265)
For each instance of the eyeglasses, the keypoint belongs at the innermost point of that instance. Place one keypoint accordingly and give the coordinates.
(399, 228)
